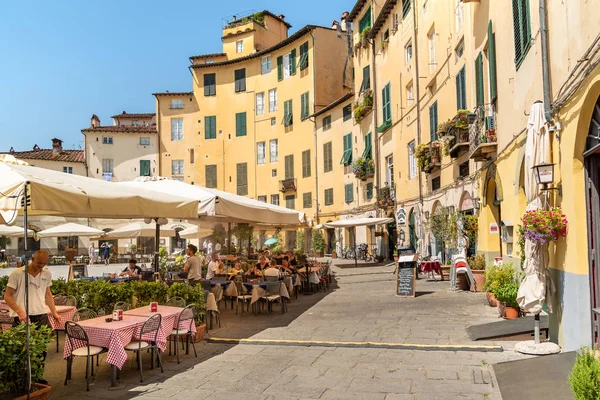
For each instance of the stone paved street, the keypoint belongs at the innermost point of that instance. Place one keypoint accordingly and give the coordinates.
(361, 308)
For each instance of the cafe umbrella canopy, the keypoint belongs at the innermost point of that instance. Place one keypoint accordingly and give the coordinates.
(26, 190)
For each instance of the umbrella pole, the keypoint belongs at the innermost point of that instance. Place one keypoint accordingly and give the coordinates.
(27, 326)
(229, 238)
(536, 330)
(156, 245)
(354, 242)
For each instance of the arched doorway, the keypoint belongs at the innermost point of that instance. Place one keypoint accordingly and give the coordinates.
(492, 203)
(468, 223)
(391, 228)
(412, 226)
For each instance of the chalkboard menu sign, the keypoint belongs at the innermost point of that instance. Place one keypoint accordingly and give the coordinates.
(406, 276)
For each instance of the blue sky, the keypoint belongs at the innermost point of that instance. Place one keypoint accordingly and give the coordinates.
(64, 61)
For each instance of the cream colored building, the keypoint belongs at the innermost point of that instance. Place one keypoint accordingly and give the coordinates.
(55, 158)
(123, 151)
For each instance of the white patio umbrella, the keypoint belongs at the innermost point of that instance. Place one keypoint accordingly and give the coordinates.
(70, 229)
(195, 232)
(136, 229)
(537, 287)
(14, 231)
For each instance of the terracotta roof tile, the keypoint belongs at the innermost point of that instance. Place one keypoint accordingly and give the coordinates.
(209, 55)
(173, 93)
(76, 156)
(123, 129)
(138, 115)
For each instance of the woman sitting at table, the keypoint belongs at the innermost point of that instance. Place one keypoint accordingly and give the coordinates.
(285, 266)
(254, 271)
(237, 268)
(272, 270)
(262, 263)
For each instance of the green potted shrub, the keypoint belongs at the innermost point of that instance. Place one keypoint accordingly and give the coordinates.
(318, 243)
(496, 276)
(13, 362)
(507, 295)
(584, 379)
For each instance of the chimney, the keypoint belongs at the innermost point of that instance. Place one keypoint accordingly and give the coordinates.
(57, 147)
(12, 150)
(234, 18)
(36, 148)
(344, 21)
(335, 24)
(95, 121)
(281, 17)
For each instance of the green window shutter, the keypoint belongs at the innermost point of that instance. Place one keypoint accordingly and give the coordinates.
(366, 82)
(347, 156)
(306, 164)
(389, 102)
(290, 202)
(405, 8)
(461, 90)
(368, 140)
(479, 91)
(370, 190)
(304, 110)
(327, 157)
(365, 21)
(210, 85)
(293, 61)
(492, 62)
(303, 56)
(288, 115)
(386, 103)
(328, 197)
(349, 193)
(433, 122)
(280, 68)
(242, 179)
(210, 172)
(144, 167)
(307, 200)
(289, 167)
(210, 127)
(240, 124)
(522, 29)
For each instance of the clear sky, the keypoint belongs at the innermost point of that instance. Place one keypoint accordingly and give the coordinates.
(62, 61)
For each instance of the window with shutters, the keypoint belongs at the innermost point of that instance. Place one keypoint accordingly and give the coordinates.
(463, 169)
(386, 103)
(144, 141)
(368, 147)
(261, 153)
(432, 55)
(408, 53)
(265, 64)
(410, 96)
(273, 151)
(272, 100)
(176, 167)
(405, 8)
(366, 80)
(460, 50)
(347, 112)
(369, 190)
(306, 163)
(107, 165)
(459, 14)
(239, 46)
(349, 193)
(433, 122)
(176, 129)
(144, 167)
(260, 103)
(210, 127)
(479, 90)
(288, 115)
(286, 65)
(327, 123)
(365, 21)
(303, 56)
(307, 200)
(289, 167)
(240, 124)
(522, 29)
(492, 63)
(347, 155)
(262, 199)
(210, 172)
(412, 160)
(240, 80)
(210, 85)
(461, 90)
(304, 109)
(327, 157)
(290, 202)
(436, 183)
(328, 197)
(275, 199)
(242, 179)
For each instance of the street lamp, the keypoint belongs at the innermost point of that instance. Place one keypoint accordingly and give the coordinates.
(544, 174)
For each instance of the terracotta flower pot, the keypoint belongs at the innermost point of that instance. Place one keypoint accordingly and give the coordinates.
(502, 309)
(41, 392)
(445, 269)
(396, 257)
(491, 299)
(479, 276)
(199, 333)
(462, 283)
(512, 312)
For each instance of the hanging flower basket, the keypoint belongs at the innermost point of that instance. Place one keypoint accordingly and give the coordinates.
(542, 226)
(363, 168)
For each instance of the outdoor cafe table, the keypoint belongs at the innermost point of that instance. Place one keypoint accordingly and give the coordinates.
(429, 267)
(65, 312)
(258, 290)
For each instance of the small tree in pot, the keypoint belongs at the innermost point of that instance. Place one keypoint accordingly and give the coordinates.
(318, 242)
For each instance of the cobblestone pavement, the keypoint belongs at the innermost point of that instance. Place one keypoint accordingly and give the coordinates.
(362, 308)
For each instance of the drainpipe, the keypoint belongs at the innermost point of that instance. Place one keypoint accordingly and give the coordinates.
(545, 66)
(158, 136)
(375, 120)
(418, 93)
(316, 152)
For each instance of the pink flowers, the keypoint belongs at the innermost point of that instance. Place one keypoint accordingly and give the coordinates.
(544, 225)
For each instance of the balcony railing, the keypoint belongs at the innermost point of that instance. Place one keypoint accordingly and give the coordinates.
(386, 196)
(482, 137)
(287, 185)
(429, 157)
(460, 143)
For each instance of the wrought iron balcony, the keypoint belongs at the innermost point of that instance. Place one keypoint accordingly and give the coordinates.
(482, 137)
(287, 185)
(386, 196)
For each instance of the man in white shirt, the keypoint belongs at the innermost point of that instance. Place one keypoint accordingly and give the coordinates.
(272, 270)
(193, 265)
(40, 296)
(213, 266)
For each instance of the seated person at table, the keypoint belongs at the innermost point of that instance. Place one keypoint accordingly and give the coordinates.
(273, 269)
(132, 271)
(292, 259)
(193, 265)
(214, 266)
(285, 265)
(254, 271)
(262, 263)
(234, 271)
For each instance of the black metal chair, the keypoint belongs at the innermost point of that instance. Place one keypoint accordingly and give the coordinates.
(122, 305)
(63, 301)
(271, 278)
(148, 339)
(272, 295)
(175, 302)
(76, 334)
(184, 329)
(83, 314)
(241, 295)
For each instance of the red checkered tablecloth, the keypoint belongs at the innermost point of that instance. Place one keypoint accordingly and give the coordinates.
(169, 318)
(65, 312)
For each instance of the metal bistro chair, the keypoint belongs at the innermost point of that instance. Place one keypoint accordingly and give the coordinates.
(241, 295)
(122, 305)
(184, 329)
(6, 319)
(272, 295)
(271, 278)
(149, 332)
(175, 302)
(76, 334)
(84, 314)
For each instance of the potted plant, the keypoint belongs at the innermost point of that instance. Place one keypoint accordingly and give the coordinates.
(435, 152)
(363, 168)
(396, 255)
(13, 362)
(423, 156)
(584, 379)
(318, 243)
(496, 276)
(477, 264)
(544, 226)
(364, 37)
(507, 295)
